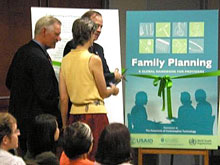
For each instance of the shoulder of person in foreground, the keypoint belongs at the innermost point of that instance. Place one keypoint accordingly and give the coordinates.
(7, 158)
(47, 158)
(44, 158)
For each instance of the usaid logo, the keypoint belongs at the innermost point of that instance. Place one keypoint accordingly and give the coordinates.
(141, 141)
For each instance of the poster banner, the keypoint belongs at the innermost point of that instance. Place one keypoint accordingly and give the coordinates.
(171, 93)
(109, 39)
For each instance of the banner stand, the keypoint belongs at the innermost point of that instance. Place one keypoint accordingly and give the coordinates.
(142, 151)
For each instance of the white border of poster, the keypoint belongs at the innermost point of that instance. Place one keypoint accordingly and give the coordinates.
(109, 39)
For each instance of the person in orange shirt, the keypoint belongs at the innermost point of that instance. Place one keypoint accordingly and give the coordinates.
(77, 143)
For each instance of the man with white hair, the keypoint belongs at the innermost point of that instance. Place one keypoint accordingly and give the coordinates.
(31, 79)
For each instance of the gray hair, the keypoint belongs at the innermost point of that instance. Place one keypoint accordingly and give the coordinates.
(45, 22)
(82, 29)
(77, 139)
(90, 14)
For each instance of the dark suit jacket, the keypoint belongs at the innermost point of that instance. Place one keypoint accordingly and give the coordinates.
(33, 85)
(98, 50)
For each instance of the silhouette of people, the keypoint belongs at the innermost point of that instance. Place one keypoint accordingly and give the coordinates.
(186, 112)
(138, 112)
(203, 107)
(138, 117)
(200, 118)
(204, 113)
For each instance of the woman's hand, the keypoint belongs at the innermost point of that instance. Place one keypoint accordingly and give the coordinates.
(115, 89)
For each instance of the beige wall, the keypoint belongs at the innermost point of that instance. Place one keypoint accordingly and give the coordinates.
(123, 6)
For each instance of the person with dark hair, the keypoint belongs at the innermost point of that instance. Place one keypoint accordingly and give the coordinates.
(95, 48)
(114, 146)
(43, 134)
(77, 143)
(9, 139)
(31, 78)
(82, 81)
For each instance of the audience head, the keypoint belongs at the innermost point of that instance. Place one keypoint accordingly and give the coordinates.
(47, 31)
(114, 145)
(83, 30)
(96, 17)
(77, 140)
(8, 131)
(43, 134)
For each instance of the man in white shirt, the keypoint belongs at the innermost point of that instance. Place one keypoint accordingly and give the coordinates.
(9, 140)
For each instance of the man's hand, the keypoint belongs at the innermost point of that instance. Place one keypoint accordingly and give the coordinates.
(118, 76)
